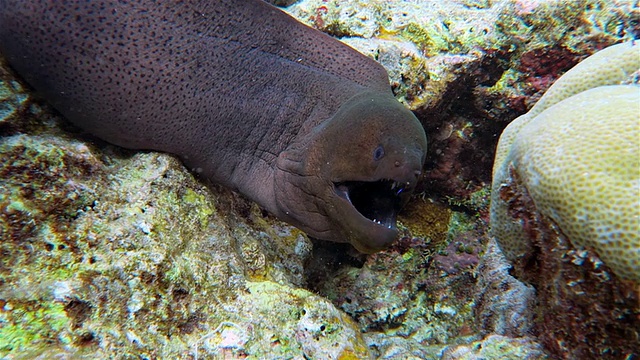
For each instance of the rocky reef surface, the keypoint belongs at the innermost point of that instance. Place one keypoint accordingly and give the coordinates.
(109, 253)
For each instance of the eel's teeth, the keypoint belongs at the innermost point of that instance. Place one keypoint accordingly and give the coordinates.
(379, 222)
(345, 192)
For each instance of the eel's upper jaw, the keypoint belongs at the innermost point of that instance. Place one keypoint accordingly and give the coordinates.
(377, 202)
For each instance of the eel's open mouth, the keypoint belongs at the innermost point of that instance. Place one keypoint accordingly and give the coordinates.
(379, 201)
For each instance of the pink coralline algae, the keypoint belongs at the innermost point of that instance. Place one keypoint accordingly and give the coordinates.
(462, 253)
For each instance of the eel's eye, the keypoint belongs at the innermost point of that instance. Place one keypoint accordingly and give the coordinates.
(378, 153)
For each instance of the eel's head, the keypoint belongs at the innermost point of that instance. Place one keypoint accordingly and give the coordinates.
(350, 177)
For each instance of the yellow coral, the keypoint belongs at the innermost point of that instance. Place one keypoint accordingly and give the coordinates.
(578, 152)
(610, 66)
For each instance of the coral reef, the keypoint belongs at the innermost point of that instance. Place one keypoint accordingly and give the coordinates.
(107, 253)
(580, 167)
(430, 297)
(565, 205)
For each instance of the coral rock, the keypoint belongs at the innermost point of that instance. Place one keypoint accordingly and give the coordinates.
(577, 155)
(566, 204)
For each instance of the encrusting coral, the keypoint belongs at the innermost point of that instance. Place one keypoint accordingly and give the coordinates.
(576, 152)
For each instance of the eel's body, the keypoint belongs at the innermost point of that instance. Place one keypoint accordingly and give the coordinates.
(245, 95)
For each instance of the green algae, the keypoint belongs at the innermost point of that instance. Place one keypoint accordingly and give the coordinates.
(430, 39)
(460, 223)
(506, 81)
(476, 202)
(25, 324)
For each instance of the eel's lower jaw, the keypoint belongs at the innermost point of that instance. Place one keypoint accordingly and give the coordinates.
(378, 201)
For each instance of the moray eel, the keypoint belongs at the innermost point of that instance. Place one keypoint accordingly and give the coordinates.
(241, 92)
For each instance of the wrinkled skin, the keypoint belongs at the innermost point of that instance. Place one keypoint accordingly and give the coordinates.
(372, 139)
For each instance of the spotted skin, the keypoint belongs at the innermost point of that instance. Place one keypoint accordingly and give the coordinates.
(231, 87)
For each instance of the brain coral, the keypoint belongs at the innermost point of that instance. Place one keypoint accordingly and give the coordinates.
(577, 153)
